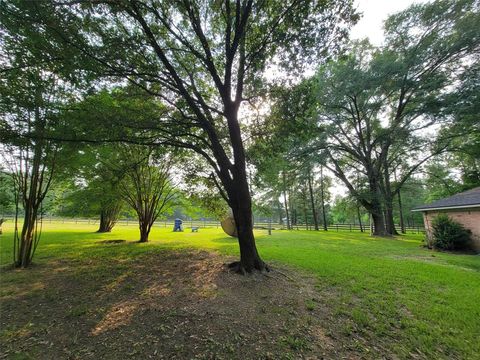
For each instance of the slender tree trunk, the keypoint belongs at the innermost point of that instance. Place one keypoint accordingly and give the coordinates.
(359, 219)
(322, 198)
(305, 211)
(27, 236)
(279, 209)
(32, 193)
(400, 209)
(294, 215)
(285, 200)
(312, 201)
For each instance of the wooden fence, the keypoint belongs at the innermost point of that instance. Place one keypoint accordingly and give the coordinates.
(216, 224)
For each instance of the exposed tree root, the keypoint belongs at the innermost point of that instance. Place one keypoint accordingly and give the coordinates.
(238, 268)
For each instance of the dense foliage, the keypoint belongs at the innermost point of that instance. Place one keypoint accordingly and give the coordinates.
(448, 234)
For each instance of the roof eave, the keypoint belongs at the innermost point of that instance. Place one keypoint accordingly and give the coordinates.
(448, 207)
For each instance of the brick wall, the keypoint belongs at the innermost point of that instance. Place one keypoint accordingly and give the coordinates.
(470, 218)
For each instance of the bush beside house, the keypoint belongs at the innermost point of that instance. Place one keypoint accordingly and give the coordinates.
(447, 234)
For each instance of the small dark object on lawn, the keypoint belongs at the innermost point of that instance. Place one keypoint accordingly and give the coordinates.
(194, 228)
(178, 225)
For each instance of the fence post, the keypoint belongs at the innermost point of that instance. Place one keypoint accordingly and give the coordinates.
(337, 227)
(350, 227)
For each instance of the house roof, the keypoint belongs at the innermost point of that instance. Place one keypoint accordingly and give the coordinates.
(466, 199)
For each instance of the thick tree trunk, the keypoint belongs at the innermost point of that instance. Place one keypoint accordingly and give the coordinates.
(108, 218)
(378, 224)
(144, 232)
(144, 225)
(388, 201)
(312, 201)
(375, 205)
(389, 223)
(235, 181)
(143, 236)
(242, 213)
(106, 224)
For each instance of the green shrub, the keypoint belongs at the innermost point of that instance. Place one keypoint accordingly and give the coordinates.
(448, 234)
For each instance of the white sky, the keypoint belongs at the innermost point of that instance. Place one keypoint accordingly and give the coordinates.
(375, 12)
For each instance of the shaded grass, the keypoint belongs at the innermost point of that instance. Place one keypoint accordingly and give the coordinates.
(392, 293)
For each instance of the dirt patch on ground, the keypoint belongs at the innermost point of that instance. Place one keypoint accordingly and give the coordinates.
(118, 241)
(175, 305)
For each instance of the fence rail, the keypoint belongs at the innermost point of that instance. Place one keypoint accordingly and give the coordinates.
(216, 224)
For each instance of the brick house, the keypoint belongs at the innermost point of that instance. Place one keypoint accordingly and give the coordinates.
(463, 208)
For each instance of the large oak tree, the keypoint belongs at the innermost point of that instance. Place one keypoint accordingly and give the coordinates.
(203, 59)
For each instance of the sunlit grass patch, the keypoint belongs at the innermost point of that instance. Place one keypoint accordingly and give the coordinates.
(392, 294)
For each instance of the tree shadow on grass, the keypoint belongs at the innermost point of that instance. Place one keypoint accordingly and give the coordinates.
(178, 304)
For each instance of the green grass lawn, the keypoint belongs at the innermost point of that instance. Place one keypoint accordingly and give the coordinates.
(392, 293)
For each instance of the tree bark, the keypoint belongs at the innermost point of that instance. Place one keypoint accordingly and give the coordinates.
(312, 201)
(359, 219)
(279, 209)
(378, 224)
(242, 213)
(389, 223)
(239, 197)
(25, 255)
(33, 190)
(375, 208)
(322, 198)
(285, 201)
(388, 201)
(144, 231)
(305, 211)
(400, 210)
(106, 224)
(108, 218)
